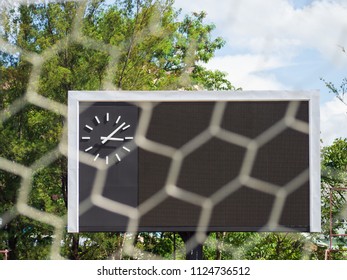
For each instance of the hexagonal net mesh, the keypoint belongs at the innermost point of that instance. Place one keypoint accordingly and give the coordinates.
(178, 155)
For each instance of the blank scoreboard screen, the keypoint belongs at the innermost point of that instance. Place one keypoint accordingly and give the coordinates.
(254, 167)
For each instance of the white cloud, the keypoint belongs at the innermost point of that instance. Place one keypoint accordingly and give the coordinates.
(274, 31)
(333, 119)
(268, 35)
(275, 26)
(246, 71)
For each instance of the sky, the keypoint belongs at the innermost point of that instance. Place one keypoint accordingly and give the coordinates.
(283, 45)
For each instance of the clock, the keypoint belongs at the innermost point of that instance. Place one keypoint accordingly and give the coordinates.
(106, 133)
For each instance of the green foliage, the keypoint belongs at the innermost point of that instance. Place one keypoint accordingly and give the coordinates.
(277, 246)
(256, 246)
(160, 244)
(334, 175)
(92, 246)
(138, 45)
(133, 45)
(334, 163)
(212, 80)
(49, 189)
(340, 91)
(13, 82)
(156, 50)
(30, 134)
(27, 239)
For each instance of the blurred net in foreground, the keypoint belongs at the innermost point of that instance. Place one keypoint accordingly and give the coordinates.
(26, 173)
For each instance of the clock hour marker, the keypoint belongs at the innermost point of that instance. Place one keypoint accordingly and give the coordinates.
(96, 157)
(118, 119)
(88, 149)
(125, 148)
(107, 117)
(117, 156)
(90, 128)
(85, 138)
(126, 127)
(106, 159)
(97, 119)
(129, 138)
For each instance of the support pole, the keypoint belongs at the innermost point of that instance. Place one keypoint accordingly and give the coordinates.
(174, 244)
(195, 253)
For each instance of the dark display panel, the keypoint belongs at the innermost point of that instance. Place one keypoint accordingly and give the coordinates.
(121, 182)
(210, 167)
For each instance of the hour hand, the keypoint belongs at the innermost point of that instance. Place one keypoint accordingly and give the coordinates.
(111, 139)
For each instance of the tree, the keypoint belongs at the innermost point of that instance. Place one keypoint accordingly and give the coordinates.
(334, 175)
(257, 246)
(339, 91)
(129, 45)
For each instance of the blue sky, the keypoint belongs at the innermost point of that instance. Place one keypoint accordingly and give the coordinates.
(283, 44)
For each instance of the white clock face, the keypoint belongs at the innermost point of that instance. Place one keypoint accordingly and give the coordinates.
(106, 136)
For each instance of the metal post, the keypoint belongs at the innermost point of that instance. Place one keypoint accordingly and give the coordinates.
(195, 253)
(331, 222)
(331, 225)
(174, 244)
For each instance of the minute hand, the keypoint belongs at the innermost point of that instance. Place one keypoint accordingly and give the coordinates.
(112, 133)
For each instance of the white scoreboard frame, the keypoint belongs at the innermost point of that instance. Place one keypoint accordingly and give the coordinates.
(75, 97)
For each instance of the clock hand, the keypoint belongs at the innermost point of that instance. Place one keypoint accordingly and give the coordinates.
(112, 139)
(112, 133)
